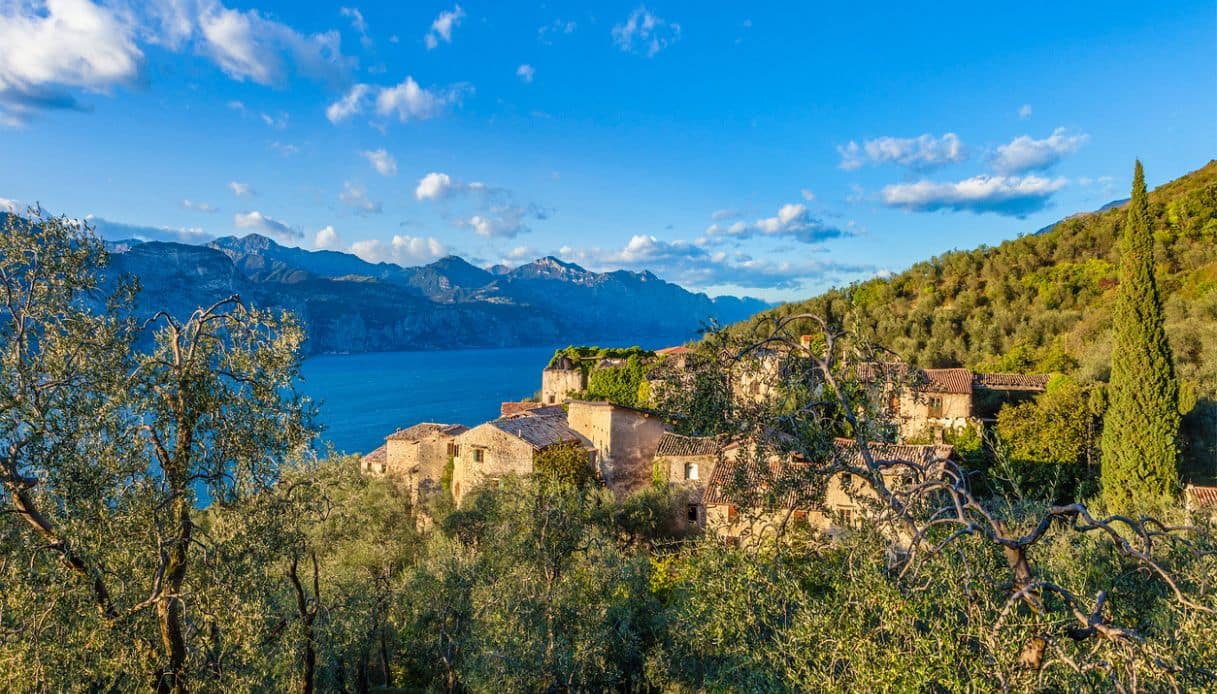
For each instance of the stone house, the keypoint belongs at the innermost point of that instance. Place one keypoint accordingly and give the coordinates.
(561, 379)
(373, 463)
(506, 446)
(686, 463)
(800, 504)
(625, 439)
(417, 456)
(1201, 500)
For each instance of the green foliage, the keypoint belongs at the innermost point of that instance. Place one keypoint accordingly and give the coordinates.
(587, 356)
(1141, 426)
(620, 384)
(565, 464)
(1050, 442)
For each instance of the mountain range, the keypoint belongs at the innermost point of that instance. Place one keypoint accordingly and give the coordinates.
(351, 305)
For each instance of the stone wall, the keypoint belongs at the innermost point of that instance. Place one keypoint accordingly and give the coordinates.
(558, 384)
(920, 414)
(688, 491)
(502, 455)
(625, 440)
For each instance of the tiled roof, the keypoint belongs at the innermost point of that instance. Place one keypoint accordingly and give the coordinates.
(1200, 498)
(797, 483)
(538, 431)
(546, 411)
(956, 381)
(847, 451)
(422, 431)
(507, 409)
(376, 457)
(677, 446)
(1034, 382)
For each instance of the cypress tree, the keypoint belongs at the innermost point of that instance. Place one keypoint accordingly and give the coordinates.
(1141, 427)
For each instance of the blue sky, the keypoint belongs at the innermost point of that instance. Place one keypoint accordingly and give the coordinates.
(753, 148)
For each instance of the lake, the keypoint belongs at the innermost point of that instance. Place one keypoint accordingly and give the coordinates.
(365, 397)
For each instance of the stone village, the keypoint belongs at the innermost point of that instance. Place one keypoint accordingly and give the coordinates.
(632, 448)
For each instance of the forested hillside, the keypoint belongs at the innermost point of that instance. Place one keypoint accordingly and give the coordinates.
(1043, 302)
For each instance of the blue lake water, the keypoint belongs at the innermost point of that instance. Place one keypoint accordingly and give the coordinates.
(365, 397)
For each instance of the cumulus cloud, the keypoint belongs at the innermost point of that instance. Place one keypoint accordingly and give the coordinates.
(807, 194)
(921, 153)
(433, 186)
(406, 101)
(381, 160)
(241, 190)
(793, 221)
(248, 46)
(258, 222)
(1025, 153)
(327, 238)
(402, 250)
(1005, 195)
(355, 197)
(441, 28)
(69, 44)
(9, 206)
(501, 221)
(1024, 111)
(719, 215)
(198, 206)
(525, 72)
(695, 266)
(645, 33)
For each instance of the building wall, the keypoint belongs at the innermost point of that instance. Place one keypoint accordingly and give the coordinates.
(418, 464)
(841, 505)
(918, 419)
(625, 441)
(557, 384)
(502, 455)
(688, 492)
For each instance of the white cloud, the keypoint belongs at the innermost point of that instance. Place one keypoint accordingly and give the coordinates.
(356, 198)
(248, 46)
(441, 28)
(1024, 111)
(241, 190)
(1004, 195)
(807, 194)
(922, 152)
(198, 206)
(558, 26)
(257, 221)
(646, 33)
(407, 101)
(358, 23)
(793, 220)
(9, 206)
(70, 44)
(1025, 153)
(327, 238)
(695, 266)
(719, 215)
(285, 149)
(433, 186)
(381, 160)
(120, 231)
(525, 72)
(402, 250)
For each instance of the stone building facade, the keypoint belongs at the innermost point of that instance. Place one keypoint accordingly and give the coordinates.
(686, 464)
(843, 502)
(508, 446)
(561, 379)
(417, 456)
(625, 439)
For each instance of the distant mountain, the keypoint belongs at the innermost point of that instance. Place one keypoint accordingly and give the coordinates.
(351, 305)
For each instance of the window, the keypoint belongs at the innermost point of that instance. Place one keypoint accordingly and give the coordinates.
(691, 514)
(454, 449)
(479, 455)
(935, 404)
(847, 517)
(690, 471)
(551, 398)
(731, 514)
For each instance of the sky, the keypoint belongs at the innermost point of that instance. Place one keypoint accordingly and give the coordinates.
(760, 149)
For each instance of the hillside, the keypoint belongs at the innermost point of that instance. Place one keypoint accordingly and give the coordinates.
(350, 305)
(1043, 302)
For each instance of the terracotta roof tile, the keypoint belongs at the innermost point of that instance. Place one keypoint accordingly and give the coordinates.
(955, 381)
(675, 445)
(376, 457)
(996, 381)
(422, 431)
(538, 431)
(1201, 498)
